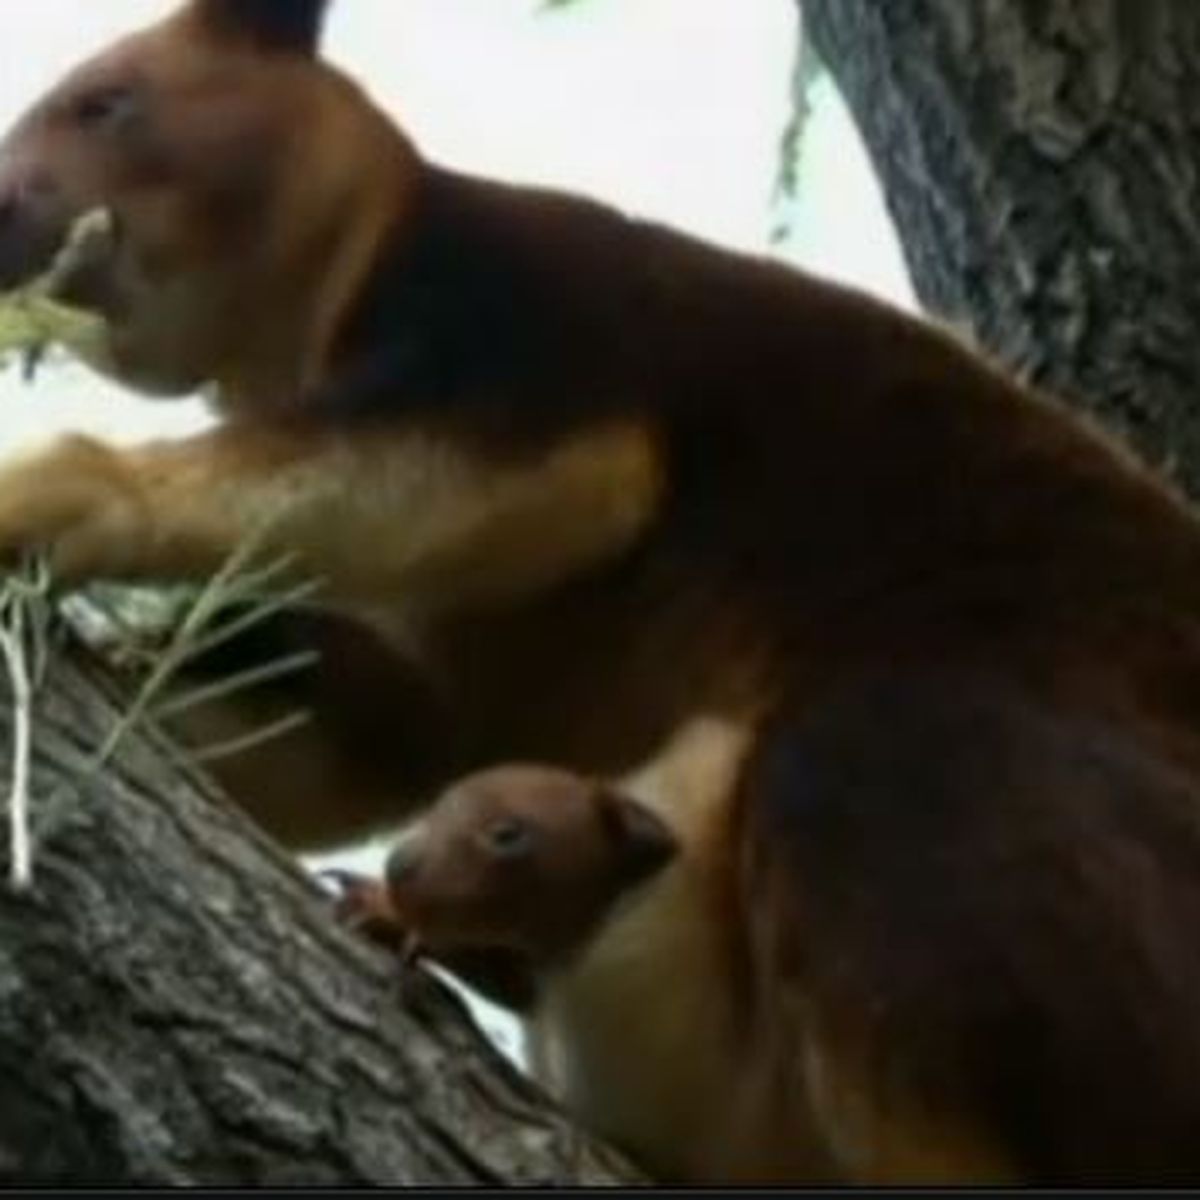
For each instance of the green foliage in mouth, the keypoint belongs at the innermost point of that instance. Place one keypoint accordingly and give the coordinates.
(32, 320)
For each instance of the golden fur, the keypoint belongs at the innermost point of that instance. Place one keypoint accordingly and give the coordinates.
(658, 1084)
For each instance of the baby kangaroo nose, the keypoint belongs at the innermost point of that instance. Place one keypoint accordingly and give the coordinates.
(403, 865)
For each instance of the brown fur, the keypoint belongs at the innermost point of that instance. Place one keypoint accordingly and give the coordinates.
(575, 483)
(510, 875)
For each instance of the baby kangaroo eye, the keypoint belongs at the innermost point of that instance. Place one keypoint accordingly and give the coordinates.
(107, 106)
(509, 837)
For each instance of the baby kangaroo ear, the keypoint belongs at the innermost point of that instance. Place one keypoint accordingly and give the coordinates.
(645, 842)
(287, 26)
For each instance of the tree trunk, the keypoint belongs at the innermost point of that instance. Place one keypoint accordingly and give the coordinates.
(178, 1007)
(1041, 159)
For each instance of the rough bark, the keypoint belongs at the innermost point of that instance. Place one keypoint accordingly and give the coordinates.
(177, 1007)
(1041, 160)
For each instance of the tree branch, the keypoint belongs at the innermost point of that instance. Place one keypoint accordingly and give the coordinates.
(177, 1005)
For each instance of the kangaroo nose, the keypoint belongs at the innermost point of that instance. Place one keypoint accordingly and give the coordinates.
(31, 228)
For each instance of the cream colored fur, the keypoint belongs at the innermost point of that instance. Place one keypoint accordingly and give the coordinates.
(636, 1037)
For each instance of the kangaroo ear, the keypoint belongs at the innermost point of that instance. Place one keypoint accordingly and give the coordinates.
(645, 842)
(289, 26)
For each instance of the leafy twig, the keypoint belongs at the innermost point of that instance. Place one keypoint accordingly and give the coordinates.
(32, 319)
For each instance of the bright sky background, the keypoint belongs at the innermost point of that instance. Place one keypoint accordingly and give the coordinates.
(672, 109)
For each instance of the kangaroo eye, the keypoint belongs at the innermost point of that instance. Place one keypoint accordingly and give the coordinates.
(509, 837)
(107, 106)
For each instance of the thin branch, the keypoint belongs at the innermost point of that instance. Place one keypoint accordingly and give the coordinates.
(12, 645)
(296, 598)
(220, 751)
(239, 682)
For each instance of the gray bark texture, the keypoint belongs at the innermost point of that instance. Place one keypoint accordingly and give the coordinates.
(178, 1007)
(1041, 160)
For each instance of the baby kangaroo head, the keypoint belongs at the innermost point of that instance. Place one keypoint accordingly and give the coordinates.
(523, 858)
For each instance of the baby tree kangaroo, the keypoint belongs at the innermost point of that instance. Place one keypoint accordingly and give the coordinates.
(906, 657)
(509, 877)
(540, 888)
